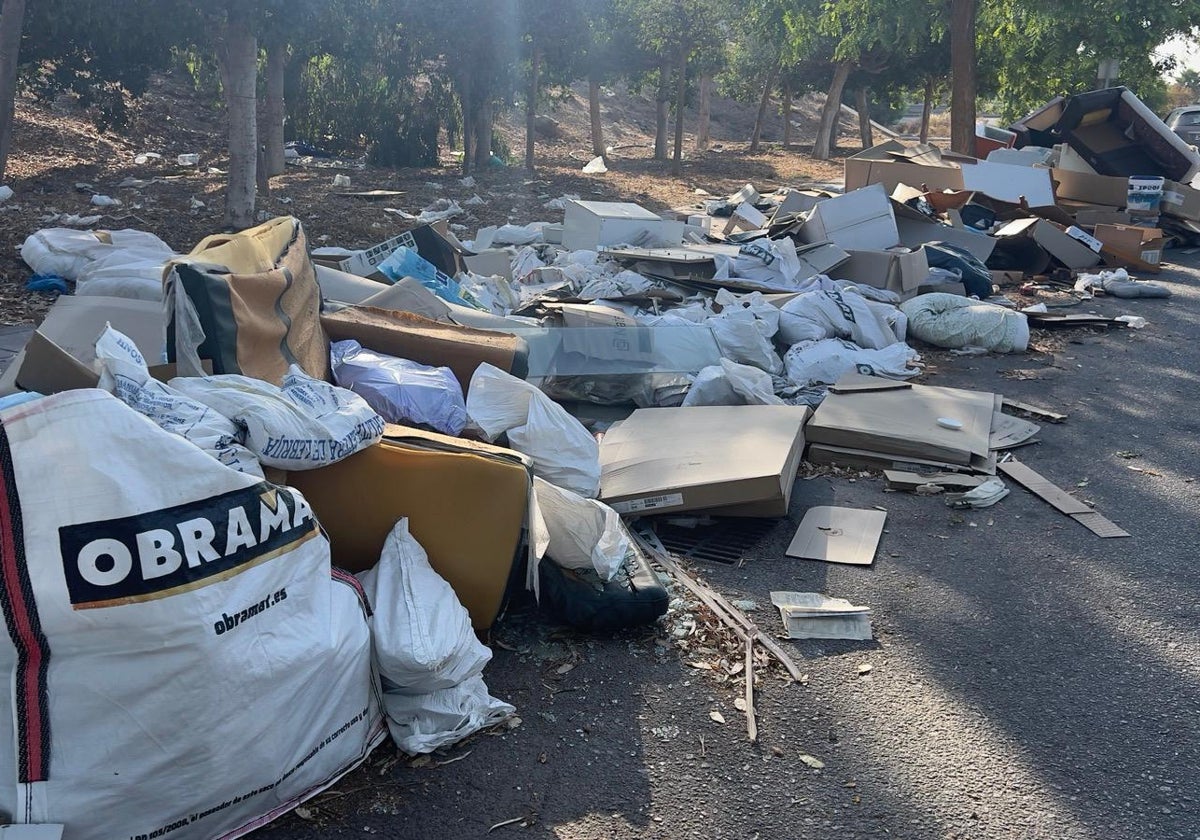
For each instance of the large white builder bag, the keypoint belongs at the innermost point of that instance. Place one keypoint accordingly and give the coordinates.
(181, 660)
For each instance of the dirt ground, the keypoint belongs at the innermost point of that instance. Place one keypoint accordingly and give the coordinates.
(60, 159)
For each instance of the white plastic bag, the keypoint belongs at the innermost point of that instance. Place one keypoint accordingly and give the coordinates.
(754, 303)
(423, 723)
(742, 338)
(195, 668)
(825, 362)
(304, 424)
(583, 533)
(954, 321)
(421, 634)
(771, 262)
(401, 391)
(732, 384)
(562, 450)
(124, 374)
(841, 313)
(119, 263)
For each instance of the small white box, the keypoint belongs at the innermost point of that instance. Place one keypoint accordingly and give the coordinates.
(859, 220)
(588, 225)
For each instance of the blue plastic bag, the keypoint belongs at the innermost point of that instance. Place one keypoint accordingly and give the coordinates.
(405, 262)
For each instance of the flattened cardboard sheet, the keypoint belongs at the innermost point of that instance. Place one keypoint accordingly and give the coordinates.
(838, 535)
(1061, 500)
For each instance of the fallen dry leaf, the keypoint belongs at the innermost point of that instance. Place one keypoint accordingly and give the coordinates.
(739, 703)
(565, 669)
(717, 716)
(812, 761)
(864, 668)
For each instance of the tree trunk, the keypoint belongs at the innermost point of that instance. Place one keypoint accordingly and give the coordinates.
(12, 21)
(273, 109)
(761, 117)
(535, 61)
(787, 113)
(238, 60)
(827, 129)
(864, 117)
(705, 116)
(467, 107)
(680, 102)
(962, 76)
(594, 114)
(926, 110)
(663, 104)
(483, 133)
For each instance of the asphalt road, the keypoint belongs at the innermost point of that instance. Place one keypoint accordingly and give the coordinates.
(1028, 678)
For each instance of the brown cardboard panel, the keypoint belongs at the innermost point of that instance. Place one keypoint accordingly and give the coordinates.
(1062, 501)
(1009, 431)
(854, 382)
(1139, 248)
(1043, 488)
(1180, 201)
(1108, 190)
(465, 506)
(838, 535)
(906, 480)
(880, 165)
(865, 459)
(734, 458)
(904, 423)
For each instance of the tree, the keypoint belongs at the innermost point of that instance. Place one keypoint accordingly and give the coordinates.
(12, 21)
(237, 56)
(962, 73)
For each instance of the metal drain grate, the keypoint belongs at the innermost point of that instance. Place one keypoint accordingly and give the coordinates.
(724, 541)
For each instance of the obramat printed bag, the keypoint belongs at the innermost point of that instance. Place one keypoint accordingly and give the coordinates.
(183, 661)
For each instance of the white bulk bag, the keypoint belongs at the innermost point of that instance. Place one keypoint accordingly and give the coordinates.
(181, 659)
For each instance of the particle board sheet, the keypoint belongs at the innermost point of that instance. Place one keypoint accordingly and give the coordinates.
(838, 535)
(903, 423)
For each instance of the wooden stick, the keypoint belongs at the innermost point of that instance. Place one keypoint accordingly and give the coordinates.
(725, 611)
(751, 721)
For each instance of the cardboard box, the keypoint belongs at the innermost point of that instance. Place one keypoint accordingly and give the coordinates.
(607, 334)
(588, 225)
(1180, 201)
(857, 220)
(1106, 190)
(915, 229)
(724, 460)
(899, 270)
(59, 356)
(1054, 240)
(1139, 248)
(432, 480)
(363, 263)
(880, 165)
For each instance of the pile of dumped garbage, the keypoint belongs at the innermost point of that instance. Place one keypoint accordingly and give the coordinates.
(234, 479)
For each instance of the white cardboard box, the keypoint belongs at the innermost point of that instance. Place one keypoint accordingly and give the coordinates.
(588, 225)
(858, 220)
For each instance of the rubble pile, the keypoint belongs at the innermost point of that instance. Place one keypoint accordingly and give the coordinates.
(264, 457)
